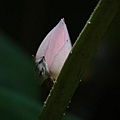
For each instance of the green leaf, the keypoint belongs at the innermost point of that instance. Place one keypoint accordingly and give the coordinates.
(79, 58)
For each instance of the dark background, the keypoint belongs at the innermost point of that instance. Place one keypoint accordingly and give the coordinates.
(27, 22)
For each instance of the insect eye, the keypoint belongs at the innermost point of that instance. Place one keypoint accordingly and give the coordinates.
(40, 61)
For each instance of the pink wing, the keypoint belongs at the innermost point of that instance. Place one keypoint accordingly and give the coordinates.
(59, 59)
(53, 42)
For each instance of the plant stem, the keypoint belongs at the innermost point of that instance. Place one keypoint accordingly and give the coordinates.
(79, 58)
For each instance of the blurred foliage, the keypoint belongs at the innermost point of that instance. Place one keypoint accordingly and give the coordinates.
(16, 69)
(18, 86)
(20, 96)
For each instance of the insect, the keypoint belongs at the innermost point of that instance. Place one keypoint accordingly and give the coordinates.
(52, 53)
(42, 66)
(43, 72)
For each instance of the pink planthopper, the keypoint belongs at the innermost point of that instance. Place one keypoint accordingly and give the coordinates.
(52, 53)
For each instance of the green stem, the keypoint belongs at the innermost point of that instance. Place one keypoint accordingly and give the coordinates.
(79, 58)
